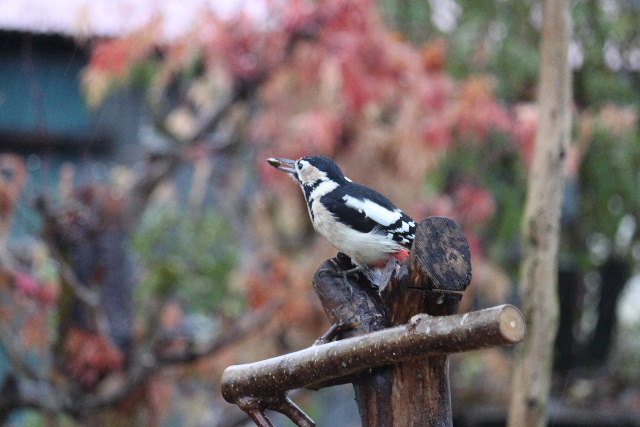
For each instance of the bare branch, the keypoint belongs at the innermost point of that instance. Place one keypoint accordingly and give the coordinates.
(158, 168)
(287, 407)
(243, 327)
(147, 362)
(84, 294)
(14, 348)
(87, 296)
(39, 393)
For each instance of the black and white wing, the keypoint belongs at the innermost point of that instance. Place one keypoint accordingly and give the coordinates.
(366, 210)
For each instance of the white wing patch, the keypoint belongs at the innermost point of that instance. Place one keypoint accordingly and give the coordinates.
(405, 227)
(379, 214)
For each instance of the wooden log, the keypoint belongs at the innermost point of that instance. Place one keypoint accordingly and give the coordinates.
(440, 256)
(423, 335)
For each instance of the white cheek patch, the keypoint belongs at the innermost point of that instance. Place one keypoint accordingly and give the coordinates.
(373, 210)
(311, 174)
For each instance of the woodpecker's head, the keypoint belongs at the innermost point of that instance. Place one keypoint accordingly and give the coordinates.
(311, 170)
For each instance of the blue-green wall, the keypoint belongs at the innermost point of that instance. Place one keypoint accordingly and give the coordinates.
(39, 87)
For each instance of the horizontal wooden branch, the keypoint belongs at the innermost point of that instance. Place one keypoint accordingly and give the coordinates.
(423, 336)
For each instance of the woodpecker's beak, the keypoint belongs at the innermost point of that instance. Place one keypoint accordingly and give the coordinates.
(284, 165)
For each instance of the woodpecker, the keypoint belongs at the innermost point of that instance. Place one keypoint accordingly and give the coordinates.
(356, 220)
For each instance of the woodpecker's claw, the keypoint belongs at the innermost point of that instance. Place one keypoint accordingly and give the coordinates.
(335, 330)
(339, 272)
(368, 276)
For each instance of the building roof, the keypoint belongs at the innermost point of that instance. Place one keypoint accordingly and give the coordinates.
(89, 18)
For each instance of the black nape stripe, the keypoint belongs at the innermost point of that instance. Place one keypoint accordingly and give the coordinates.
(307, 193)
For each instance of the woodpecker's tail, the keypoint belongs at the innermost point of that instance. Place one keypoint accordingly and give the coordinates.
(379, 275)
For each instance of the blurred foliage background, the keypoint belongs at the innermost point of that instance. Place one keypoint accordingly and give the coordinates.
(430, 102)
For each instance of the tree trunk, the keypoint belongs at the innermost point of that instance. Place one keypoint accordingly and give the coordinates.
(540, 232)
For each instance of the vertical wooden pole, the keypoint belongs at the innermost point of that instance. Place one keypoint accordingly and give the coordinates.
(424, 383)
(541, 222)
(416, 392)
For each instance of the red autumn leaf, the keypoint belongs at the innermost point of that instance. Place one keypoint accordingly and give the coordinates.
(27, 284)
(478, 111)
(317, 129)
(434, 55)
(90, 356)
(476, 206)
(437, 133)
(300, 16)
(436, 93)
(111, 56)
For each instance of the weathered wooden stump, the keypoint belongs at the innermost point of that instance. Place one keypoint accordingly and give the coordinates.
(392, 345)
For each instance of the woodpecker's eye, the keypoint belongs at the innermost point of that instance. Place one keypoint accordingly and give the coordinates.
(299, 165)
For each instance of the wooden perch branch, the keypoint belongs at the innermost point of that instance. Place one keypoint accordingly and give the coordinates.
(424, 335)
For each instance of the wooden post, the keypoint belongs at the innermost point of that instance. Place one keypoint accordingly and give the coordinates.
(417, 391)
